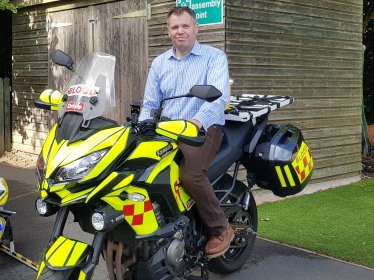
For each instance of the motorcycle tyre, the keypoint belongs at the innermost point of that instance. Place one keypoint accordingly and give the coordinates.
(220, 265)
(50, 274)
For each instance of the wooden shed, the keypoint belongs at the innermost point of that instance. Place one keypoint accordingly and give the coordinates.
(310, 50)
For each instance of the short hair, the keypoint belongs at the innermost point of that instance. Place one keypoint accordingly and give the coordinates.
(180, 10)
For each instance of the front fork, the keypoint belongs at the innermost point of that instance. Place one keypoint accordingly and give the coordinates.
(87, 268)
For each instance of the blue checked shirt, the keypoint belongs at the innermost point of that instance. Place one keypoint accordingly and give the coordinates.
(170, 76)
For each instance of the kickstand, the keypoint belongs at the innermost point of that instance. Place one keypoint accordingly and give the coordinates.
(204, 274)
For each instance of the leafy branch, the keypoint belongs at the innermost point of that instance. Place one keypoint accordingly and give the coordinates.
(5, 5)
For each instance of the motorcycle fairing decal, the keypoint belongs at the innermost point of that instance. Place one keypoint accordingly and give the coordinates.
(43, 194)
(82, 275)
(118, 147)
(66, 253)
(103, 184)
(58, 153)
(73, 197)
(165, 151)
(40, 270)
(183, 200)
(303, 163)
(140, 215)
(48, 143)
(99, 141)
(114, 201)
(111, 179)
(124, 182)
(148, 150)
(164, 163)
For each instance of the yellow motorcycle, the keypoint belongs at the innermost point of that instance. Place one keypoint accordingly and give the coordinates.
(122, 182)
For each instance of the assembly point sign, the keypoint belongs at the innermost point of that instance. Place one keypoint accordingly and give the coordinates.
(207, 11)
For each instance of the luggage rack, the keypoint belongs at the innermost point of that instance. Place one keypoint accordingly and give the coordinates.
(247, 107)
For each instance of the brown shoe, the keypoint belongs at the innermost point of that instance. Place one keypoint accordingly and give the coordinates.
(219, 244)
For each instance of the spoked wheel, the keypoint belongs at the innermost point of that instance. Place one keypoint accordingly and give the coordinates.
(241, 247)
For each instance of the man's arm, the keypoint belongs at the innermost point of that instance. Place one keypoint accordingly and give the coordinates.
(152, 94)
(217, 76)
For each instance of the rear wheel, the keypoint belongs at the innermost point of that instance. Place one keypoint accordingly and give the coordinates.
(240, 248)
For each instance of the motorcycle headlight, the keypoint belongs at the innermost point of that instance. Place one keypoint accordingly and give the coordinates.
(97, 221)
(41, 206)
(78, 169)
(40, 167)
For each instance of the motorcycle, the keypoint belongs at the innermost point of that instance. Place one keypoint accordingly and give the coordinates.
(121, 182)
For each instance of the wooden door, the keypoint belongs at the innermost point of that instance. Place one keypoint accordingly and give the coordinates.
(93, 28)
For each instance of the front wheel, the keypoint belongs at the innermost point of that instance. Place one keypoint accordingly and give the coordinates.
(241, 248)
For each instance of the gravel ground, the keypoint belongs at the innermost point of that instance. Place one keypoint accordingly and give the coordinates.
(19, 158)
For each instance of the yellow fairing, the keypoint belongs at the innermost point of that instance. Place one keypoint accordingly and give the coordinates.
(183, 200)
(173, 129)
(40, 270)
(4, 192)
(164, 163)
(118, 140)
(49, 99)
(303, 163)
(148, 150)
(73, 197)
(48, 142)
(66, 253)
(58, 153)
(139, 215)
(118, 188)
(64, 153)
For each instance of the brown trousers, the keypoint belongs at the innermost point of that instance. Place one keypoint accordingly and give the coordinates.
(194, 165)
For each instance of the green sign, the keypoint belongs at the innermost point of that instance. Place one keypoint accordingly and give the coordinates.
(207, 11)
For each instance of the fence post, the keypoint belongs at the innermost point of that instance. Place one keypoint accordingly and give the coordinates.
(2, 118)
(8, 115)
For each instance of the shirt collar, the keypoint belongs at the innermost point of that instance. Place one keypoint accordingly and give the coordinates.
(196, 50)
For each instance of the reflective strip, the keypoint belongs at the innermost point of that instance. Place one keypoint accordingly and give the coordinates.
(289, 176)
(78, 249)
(82, 275)
(58, 259)
(55, 246)
(41, 267)
(280, 176)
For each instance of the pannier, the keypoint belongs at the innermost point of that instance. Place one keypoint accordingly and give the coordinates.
(282, 162)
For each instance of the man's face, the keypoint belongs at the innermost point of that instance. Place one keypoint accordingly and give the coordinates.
(182, 32)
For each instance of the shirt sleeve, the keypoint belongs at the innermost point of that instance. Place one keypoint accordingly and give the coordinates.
(152, 94)
(217, 76)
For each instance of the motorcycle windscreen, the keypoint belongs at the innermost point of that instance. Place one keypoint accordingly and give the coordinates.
(91, 91)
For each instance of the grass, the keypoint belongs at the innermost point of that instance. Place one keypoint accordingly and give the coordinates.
(337, 222)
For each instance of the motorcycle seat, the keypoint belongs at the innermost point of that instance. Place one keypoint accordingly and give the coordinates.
(235, 136)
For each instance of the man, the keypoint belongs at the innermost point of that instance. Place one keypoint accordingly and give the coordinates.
(173, 73)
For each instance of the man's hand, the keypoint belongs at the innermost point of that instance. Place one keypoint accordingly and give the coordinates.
(199, 125)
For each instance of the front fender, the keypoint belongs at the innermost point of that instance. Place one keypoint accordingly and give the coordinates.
(64, 254)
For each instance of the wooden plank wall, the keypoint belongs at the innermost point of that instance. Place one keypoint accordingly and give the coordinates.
(30, 78)
(310, 50)
(5, 109)
(31, 68)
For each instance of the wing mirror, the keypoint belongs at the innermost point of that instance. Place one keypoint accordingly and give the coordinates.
(49, 99)
(208, 93)
(62, 59)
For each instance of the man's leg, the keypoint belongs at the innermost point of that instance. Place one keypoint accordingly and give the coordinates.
(193, 168)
